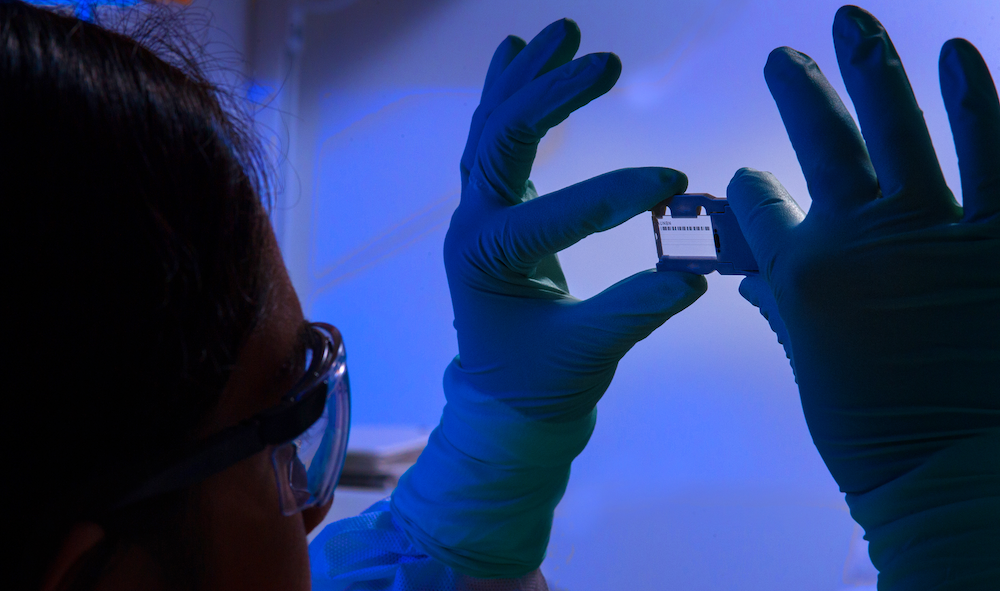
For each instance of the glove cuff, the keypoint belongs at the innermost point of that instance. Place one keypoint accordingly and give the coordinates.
(481, 496)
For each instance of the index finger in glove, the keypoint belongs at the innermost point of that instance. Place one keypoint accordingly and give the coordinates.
(556, 221)
(510, 138)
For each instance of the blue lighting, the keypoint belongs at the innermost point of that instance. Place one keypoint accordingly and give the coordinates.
(84, 9)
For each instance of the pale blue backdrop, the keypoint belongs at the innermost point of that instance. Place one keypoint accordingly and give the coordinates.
(701, 473)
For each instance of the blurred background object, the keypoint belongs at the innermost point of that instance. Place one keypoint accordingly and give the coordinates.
(701, 473)
(378, 455)
(85, 9)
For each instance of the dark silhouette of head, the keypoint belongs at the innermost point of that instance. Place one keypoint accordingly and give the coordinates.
(134, 224)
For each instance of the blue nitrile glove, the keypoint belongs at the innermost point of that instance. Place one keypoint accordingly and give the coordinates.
(533, 359)
(890, 292)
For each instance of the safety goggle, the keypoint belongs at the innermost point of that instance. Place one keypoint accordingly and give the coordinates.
(309, 430)
(307, 467)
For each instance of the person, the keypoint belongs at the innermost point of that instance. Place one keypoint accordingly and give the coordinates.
(158, 268)
(149, 311)
(186, 424)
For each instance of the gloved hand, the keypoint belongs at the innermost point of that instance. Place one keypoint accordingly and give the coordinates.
(533, 360)
(890, 292)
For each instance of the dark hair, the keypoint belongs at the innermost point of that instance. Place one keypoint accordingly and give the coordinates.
(133, 215)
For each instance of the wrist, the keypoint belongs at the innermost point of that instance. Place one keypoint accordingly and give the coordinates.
(481, 496)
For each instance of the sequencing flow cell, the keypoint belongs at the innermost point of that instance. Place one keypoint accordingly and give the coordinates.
(698, 233)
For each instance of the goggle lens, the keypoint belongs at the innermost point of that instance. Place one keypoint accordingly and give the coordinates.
(308, 467)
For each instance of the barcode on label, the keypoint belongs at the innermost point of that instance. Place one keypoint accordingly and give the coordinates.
(687, 237)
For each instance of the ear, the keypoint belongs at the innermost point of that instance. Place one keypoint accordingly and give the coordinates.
(78, 542)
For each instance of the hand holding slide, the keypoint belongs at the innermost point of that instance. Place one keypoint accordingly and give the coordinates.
(890, 292)
(533, 360)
